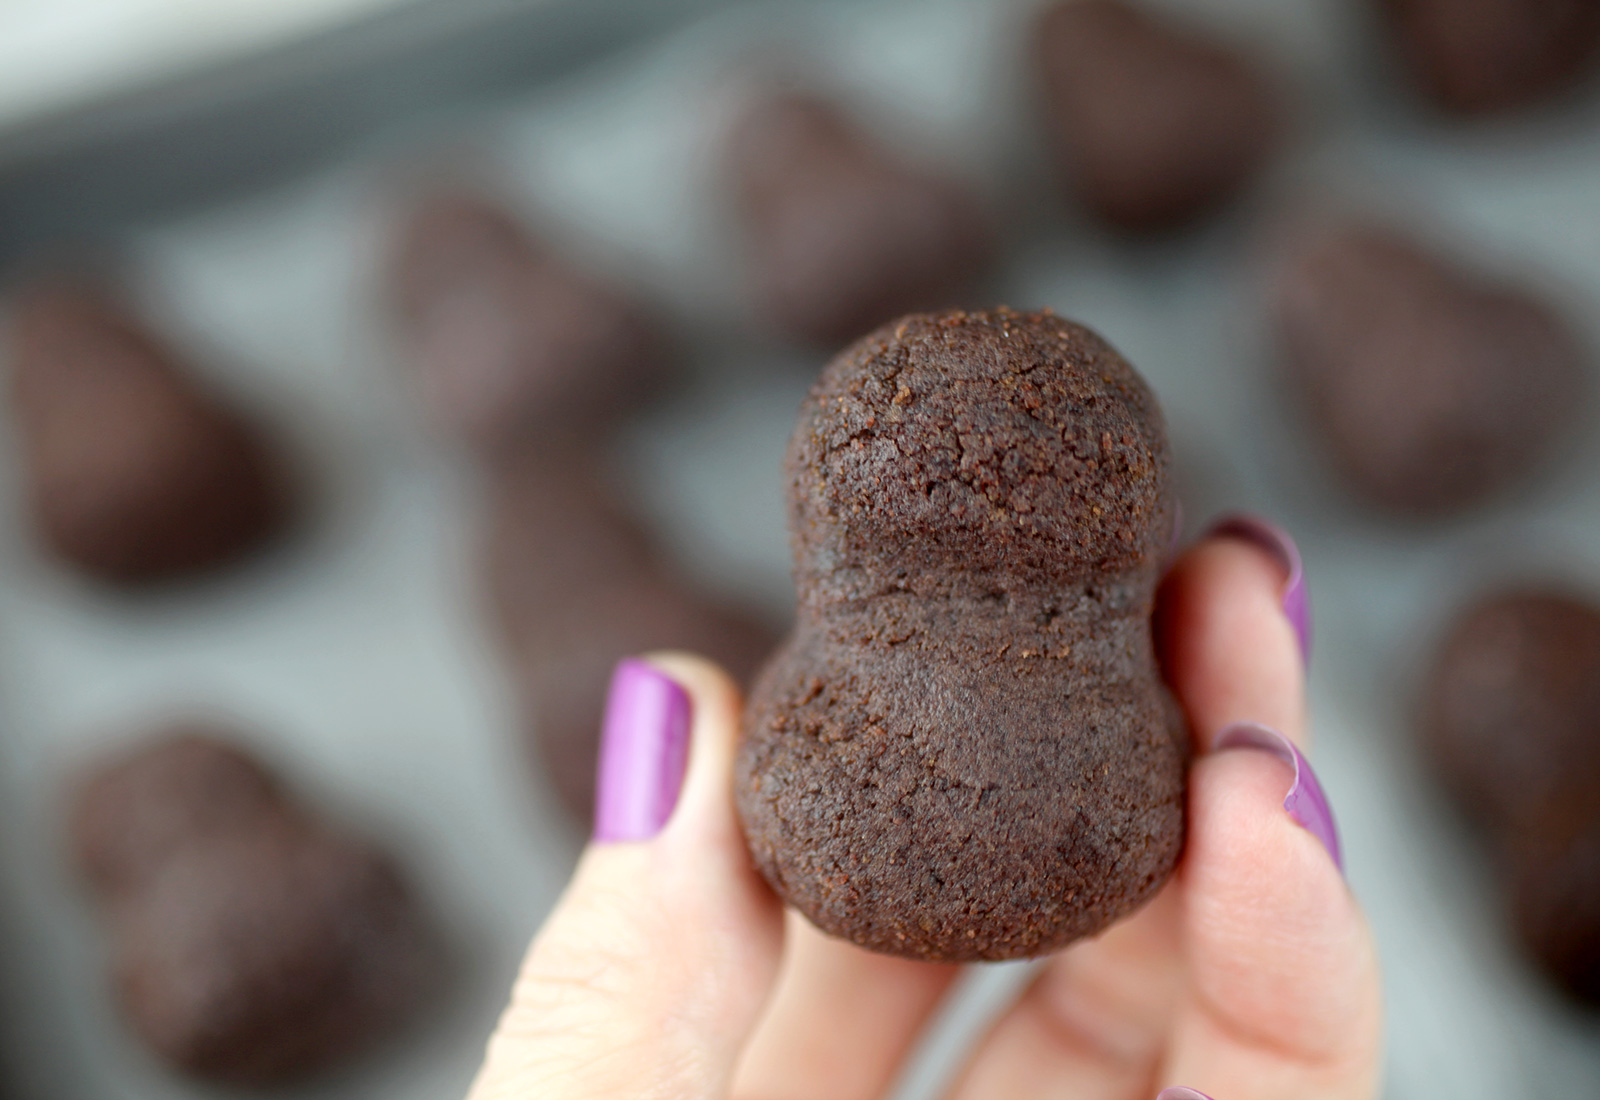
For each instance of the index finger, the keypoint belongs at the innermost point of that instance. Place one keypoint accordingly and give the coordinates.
(1229, 641)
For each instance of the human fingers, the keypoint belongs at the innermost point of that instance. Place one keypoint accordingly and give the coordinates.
(1283, 993)
(841, 1021)
(1232, 630)
(650, 974)
(1096, 1022)
(1092, 1024)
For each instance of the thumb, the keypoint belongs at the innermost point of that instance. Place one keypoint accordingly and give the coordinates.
(650, 974)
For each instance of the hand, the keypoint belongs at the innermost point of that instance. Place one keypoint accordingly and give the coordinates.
(669, 970)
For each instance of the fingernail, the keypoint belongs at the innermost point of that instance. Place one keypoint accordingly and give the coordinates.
(1179, 1092)
(644, 748)
(1276, 541)
(1306, 802)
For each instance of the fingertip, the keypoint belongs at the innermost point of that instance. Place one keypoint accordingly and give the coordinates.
(1246, 842)
(716, 702)
(644, 751)
(1227, 648)
(671, 729)
(710, 686)
(1280, 947)
(1306, 802)
(704, 814)
(666, 941)
(1294, 597)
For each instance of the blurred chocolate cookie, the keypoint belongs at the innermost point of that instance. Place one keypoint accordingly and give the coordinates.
(511, 341)
(841, 234)
(1478, 57)
(1432, 388)
(1512, 707)
(130, 816)
(1511, 721)
(1554, 878)
(575, 586)
(252, 943)
(1153, 125)
(134, 473)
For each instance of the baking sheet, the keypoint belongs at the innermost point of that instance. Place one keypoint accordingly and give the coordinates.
(356, 658)
(62, 51)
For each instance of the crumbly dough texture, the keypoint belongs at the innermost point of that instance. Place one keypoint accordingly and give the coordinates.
(964, 750)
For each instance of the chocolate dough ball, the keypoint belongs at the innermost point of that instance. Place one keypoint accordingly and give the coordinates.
(133, 813)
(1432, 388)
(133, 472)
(252, 944)
(841, 234)
(1512, 709)
(510, 340)
(1512, 723)
(555, 527)
(1152, 124)
(1478, 57)
(576, 586)
(267, 954)
(564, 679)
(1555, 902)
(964, 750)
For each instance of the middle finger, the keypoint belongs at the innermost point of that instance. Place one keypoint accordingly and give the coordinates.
(841, 1022)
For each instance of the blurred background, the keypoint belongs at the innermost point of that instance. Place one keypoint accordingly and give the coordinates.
(475, 331)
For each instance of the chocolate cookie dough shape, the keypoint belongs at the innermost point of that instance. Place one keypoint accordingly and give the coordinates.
(1432, 388)
(1486, 57)
(134, 473)
(1511, 720)
(1153, 125)
(576, 585)
(964, 750)
(1512, 710)
(841, 233)
(252, 944)
(511, 340)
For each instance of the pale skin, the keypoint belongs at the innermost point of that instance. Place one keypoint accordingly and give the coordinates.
(668, 970)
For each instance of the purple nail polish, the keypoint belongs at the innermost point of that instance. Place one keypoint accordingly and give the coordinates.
(644, 748)
(1276, 541)
(1180, 1092)
(1306, 802)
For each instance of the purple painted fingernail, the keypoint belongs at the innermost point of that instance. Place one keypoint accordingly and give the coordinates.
(644, 748)
(1276, 541)
(1306, 802)
(1179, 1092)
